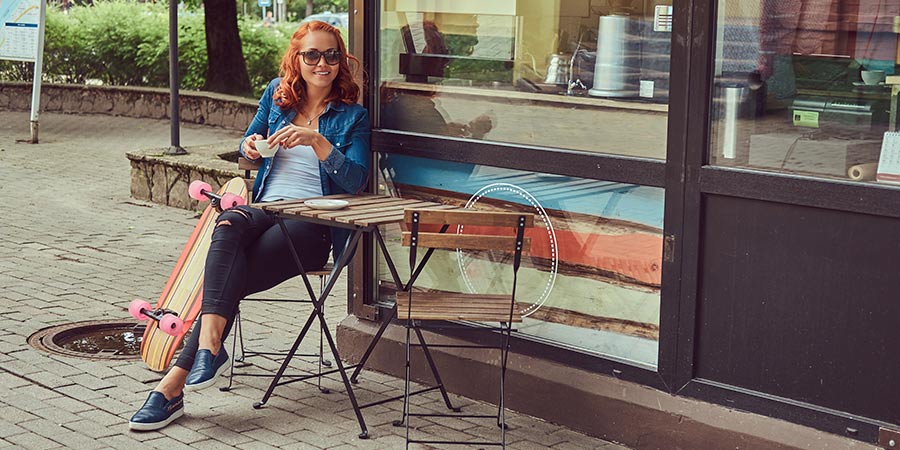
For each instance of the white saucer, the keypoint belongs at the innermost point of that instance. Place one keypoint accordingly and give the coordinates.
(862, 84)
(325, 203)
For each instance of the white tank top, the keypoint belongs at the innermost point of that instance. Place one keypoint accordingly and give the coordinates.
(294, 174)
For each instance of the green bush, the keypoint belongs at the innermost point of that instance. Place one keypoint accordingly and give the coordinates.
(263, 49)
(126, 43)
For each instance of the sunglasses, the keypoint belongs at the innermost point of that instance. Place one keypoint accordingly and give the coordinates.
(312, 57)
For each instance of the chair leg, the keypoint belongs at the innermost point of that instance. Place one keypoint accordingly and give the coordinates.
(285, 363)
(322, 361)
(239, 332)
(434, 372)
(234, 339)
(500, 422)
(501, 416)
(385, 322)
(406, 406)
(239, 336)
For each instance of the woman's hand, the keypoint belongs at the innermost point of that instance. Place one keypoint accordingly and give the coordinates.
(249, 146)
(292, 135)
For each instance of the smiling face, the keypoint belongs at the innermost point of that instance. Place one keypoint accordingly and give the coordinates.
(319, 75)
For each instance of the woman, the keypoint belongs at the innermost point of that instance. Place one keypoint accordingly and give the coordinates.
(311, 115)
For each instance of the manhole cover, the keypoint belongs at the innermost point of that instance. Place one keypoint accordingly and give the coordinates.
(93, 339)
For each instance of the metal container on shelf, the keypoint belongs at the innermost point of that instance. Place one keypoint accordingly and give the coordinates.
(734, 107)
(558, 69)
(617, 69)
(734, 104)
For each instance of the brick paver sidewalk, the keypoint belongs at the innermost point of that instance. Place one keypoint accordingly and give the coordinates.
(74, 246)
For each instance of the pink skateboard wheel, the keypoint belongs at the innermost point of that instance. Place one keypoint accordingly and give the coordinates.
(231, 200)
(171, 325)
(135, 308)
(196, 188)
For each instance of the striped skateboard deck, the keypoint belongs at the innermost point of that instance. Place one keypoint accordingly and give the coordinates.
(184, 290)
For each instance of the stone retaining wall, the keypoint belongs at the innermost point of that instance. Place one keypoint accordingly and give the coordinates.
(204, 108)
(160, 178)
(155, 176)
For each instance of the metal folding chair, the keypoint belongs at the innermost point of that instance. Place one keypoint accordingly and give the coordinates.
(421, 309)
(241, 361)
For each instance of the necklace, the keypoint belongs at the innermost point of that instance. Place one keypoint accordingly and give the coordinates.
(310, 121)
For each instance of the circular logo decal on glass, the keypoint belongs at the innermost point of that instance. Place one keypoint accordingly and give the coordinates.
(478, 268)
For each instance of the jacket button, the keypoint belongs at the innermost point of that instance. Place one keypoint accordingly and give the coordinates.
(335, 171)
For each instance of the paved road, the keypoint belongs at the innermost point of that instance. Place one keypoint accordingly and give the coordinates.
(74, 246)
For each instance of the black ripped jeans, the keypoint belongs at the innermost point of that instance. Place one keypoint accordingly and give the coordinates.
(249, 254)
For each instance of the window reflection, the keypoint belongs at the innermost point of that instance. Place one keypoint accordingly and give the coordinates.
(555, 73)
(805, 86)
(592, 278)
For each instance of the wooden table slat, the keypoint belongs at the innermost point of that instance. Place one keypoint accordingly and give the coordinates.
(361, 220)
(495, 309)
(373, 199)
(368, 202)
(281, 204)
(470, 317)
(363, 210)
(351, 218)
(395, 218)
(455, 296)
(369, 207)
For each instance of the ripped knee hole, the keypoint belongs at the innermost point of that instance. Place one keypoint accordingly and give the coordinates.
(221, 221)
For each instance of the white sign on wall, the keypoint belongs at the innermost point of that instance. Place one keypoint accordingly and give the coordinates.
(19, 21)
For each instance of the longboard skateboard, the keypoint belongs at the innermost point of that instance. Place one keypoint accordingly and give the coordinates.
(179, 304)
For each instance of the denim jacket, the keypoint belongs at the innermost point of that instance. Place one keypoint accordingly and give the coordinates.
(346, 169)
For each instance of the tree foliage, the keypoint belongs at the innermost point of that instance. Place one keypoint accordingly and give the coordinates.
(297, 8)
(127, 43)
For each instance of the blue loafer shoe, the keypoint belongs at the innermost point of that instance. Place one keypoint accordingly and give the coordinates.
(157, 412)
(206, 369)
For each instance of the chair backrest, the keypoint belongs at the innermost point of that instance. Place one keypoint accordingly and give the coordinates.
(474, 241)
(247, 166)
(456, 306)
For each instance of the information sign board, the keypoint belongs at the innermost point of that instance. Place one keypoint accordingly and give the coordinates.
(19, 21)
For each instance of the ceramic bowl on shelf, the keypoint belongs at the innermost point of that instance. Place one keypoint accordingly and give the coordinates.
(872, 77)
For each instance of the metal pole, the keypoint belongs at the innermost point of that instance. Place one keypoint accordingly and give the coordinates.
(174, 113)
(38, 69)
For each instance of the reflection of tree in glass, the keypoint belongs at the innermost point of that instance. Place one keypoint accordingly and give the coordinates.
(460, 44)
(417, 110)
(476, 70)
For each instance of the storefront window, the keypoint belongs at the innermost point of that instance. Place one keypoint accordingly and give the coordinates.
(806, 87)
(592, 278)
(578, 74)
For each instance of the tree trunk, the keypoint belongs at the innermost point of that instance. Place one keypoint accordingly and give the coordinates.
(226, 71)
(309, 8)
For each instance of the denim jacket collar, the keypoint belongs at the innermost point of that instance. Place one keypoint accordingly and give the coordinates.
(289, 115)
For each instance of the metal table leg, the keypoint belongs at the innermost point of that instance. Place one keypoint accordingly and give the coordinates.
(318, 313)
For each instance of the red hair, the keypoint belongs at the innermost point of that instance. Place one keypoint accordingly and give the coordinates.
(291, 93)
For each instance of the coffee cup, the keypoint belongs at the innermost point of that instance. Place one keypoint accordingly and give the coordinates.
(872, 77)
(262, 146)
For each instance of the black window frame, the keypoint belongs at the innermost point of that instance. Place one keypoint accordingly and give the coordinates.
(686, 176)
